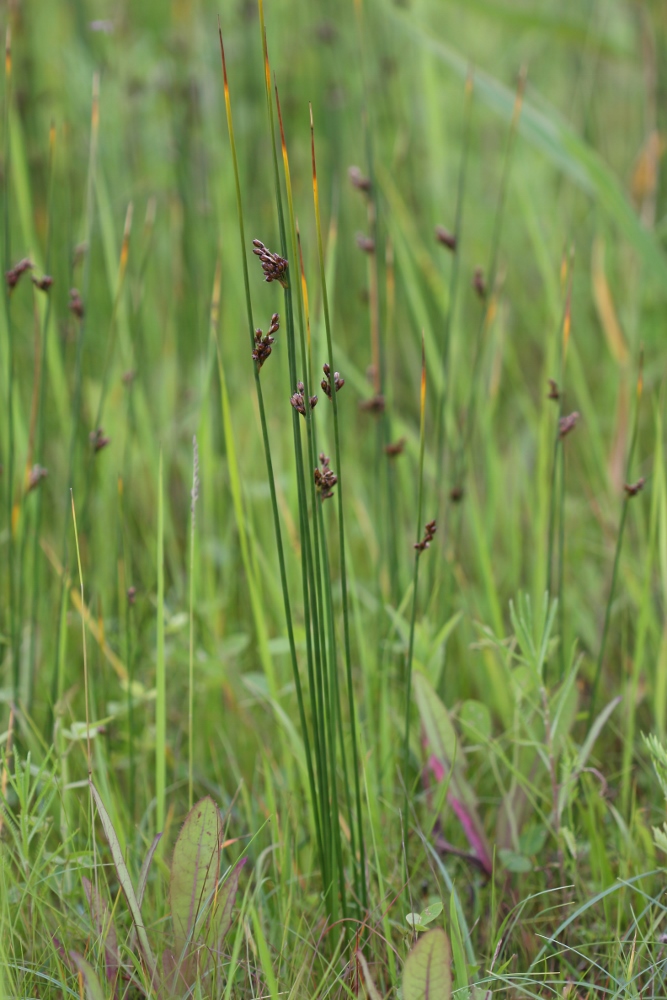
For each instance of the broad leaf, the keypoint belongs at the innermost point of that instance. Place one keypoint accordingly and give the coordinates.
(194, 869)
(427, 974)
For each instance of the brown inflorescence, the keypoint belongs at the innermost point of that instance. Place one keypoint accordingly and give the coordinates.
(326, 382)
(325, 479)
(358, 180)
(374, 405)
(273, 265)
(567, 424)
(632, 489)
(365, 243)
(76, 303)
(445, 238)
(429, 531)
(553, 390)
(14, 273)
(395, 448)
(44, 283)
(98, 439)
(479, 283)
(37, 473)
(263, 342)
(298, 399)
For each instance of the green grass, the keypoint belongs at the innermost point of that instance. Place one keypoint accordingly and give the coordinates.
(395, 738)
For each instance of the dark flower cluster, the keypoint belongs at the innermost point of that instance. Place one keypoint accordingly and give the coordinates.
(98, 439)
(325, 478)
(12, 276)
(273, 265)
(298, 399)
(567, 424)
(429, 532)
(263, 342)
(326, 382)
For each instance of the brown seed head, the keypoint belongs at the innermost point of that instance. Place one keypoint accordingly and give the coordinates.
(479, 283)
(445, 238)
(14, 273)
(429, 533)
(325, 479)
(326, 382)
(365, 243)
(37, 473)
(44, 283)
(76, 303)
(394, 449)
(273, 265)
(374, 405)
(567, 424)
(632, 489)
(358, 180)
(98, 440)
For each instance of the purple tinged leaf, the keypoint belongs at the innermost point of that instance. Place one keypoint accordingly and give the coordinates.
(94, 990)
(447, 764)
(99, 912)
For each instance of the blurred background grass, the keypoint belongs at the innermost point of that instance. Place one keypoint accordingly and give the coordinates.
(586, 183)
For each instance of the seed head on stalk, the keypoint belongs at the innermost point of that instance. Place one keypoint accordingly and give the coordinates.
(273, 265)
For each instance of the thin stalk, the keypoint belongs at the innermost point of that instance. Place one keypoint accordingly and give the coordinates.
(341, 524)
(561, 565)
(89, 757)
(39, 446)
(454, 284)
(194, 496)
(160, 668)
(489, 310)
(415, 585)
(75, 413)
(442, 401)
(126, 601)
(564, 335)
(557, 497)
(629, 493)
(269, 466)
(11, 569)
(334, 717)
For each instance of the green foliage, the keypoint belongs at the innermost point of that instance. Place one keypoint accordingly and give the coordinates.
(427, 973)
(420, 695)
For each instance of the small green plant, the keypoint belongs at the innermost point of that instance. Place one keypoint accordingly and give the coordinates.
(201, 900)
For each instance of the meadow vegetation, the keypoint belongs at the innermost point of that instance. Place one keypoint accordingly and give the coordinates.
(333, 533)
